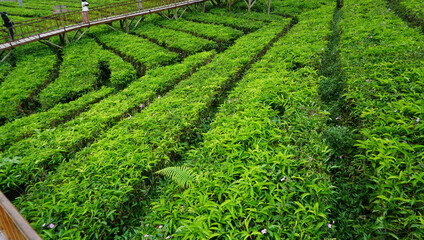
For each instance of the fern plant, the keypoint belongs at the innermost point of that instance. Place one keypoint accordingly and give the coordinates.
(180, 175)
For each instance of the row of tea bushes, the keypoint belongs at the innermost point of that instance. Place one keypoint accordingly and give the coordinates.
(48, 149)
(25, 127)
(258, 176)
(238, 23)
(5, 68)
(415, 7)
(411, 11)
(32, 71)
(383, 61)
(174, 39)
(23, 12)
(85, 67)
(98, 189)
(296, 7)
(138, 49)
(213, 32)
(253, 16)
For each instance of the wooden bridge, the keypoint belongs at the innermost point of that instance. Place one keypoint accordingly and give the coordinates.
(59, 24)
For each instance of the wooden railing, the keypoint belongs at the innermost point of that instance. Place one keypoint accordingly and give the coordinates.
(53, 22)
(12, 225)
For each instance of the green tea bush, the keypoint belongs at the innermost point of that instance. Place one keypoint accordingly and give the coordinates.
(413, 10)
(238, 23)
(340, 140)
(78, 73)
(24, 12)
(175, 39)
(32, 71)
(217, 33)
(25, 127)
(106, 181)
(86, 67)
(48, 149)
(138, 49)
(295, 7)
(382, 60)
(5, 68)
(254, 16)
(259, 175)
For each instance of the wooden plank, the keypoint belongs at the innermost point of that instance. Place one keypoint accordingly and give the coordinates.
(7, 55)
(8, 227)
(17, 219)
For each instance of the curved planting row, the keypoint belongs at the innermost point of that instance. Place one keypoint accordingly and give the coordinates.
(85, 67)
(253, 16)
(138, 49)
(5, 68)
(175, 39)
(238, 23)
(34, 157)
(32, 71)
(257, 175)
(24, 127)
(411, 11)
(24, 12)
(295, 7)
(98, 189)
(210, 31)
(415, 7)
(383, 61)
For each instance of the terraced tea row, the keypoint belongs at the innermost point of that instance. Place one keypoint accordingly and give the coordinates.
(47, 150)
(179, 41)
(108, 70)
(86, 67)
(118, 162)
(256, 173)
(382, 58)
(25, 127)
(32, 71)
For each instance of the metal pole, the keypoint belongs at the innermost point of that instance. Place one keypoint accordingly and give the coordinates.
(20, 3)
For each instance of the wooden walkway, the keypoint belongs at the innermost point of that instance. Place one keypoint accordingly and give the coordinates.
(12, 225)
(58, 24)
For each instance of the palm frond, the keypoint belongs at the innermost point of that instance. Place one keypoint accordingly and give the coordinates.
(180, 175)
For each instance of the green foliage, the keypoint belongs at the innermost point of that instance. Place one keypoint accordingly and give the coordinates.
(180, 175)
(175, 39)
(138, 49)
(411, 10)
(340, 140)
(116, 166)
(238, 23)
(217, 33)
(49, 148)
(256, 167)
(253, 16)
(382, 60)
(25, 12)
(32, 70)
(250, 126)
(25, 127)
(85, 67)
(295, 7)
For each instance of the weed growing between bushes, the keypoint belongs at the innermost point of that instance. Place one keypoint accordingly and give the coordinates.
(407, 13)
(351, 199)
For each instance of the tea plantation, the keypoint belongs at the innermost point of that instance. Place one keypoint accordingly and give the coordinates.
(305, 123)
